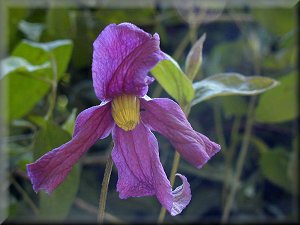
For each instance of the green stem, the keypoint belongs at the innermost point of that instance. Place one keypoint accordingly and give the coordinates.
(240, 162)
(104, 189)
(229, 154)
(186, 109)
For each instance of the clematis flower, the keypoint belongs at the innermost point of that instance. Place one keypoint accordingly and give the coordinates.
(123, 55)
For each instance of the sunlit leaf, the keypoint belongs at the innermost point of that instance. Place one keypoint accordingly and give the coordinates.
(38, 53)
(32, 31)
(194, 58)
(18, 64)
(279, 104)
(274, 165)
(25, 86)
(57, 205)
(29, 73)
(174, 81)
(231, 84)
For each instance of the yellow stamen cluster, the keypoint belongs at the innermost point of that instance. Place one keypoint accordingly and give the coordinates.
(126, 111)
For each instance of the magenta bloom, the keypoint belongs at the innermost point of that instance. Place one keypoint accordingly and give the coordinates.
(123, 55)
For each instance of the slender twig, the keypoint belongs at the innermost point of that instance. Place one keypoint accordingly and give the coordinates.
(230, 153)
(25, 196)
(241, 160)
(104, 189)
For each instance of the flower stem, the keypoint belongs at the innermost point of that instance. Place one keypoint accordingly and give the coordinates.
(104, 189)
(190, 36)
(240, 162)
(230, 151)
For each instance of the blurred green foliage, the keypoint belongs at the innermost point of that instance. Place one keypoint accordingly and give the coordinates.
(48, 72)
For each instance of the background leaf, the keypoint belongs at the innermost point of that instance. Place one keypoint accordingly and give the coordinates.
(231, 84)
(38, 53)
(274, 165)
(25, 88)
(174, 81)
(56, 206)
(279, 104)
(282, 17)
(32, 31)
(28, 73)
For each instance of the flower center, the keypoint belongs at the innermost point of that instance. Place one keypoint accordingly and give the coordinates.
(126, 111)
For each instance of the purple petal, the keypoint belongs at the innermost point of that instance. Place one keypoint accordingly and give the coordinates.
(140, 172)
(52, 168)
(182, 196)
(166, 117)
(123, 55)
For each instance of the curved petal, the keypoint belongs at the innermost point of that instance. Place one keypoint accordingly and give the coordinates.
(52, 168)
(166, 117)
(140, 172)
(123, 55)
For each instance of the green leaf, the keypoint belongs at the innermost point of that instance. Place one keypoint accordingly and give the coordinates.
(274, 166)
(174, 81)
(225, 84)
(25, 86)
(57, 205)
(279, 104)
(38, 53)
(194, 58)
(18, 64)
(32, 31)
(235, 105)
(29, 73)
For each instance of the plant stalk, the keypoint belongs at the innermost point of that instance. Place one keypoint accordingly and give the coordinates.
(104, 190)
(240, 162)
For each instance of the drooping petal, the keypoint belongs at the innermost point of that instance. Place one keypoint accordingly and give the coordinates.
(140, 172)
(123, 55)
(166, 117)
(182, 196)
(52, 168)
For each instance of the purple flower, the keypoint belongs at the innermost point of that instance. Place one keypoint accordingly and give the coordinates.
(123, 55)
